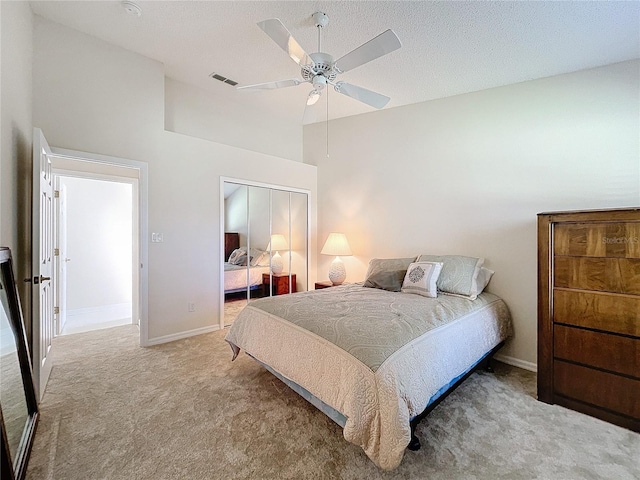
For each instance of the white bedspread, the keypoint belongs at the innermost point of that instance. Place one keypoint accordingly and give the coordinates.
(235, 276)
(378, 399)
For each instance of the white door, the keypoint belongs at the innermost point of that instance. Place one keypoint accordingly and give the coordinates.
(42, 261)
(63, 258)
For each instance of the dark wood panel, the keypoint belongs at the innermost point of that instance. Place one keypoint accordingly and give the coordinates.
(280, 283)
(619, 275)
(545, 319)
(607, 416)
(598, 239)
(603, 350)
(631, 214)
(602, 311)
(606, 390)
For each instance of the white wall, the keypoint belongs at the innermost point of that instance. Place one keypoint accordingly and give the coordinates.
(16, 55)
(194, 112)
(99, 242)
(235, 214)
(468, 174)
(94, 97)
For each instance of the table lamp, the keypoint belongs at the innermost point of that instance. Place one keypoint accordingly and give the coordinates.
(337, 245)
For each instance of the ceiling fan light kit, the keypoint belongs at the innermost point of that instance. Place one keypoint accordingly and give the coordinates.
(319, 69)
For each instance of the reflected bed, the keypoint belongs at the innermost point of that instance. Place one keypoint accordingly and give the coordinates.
(235, 277)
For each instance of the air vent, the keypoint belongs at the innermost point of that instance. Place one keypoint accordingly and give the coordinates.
(223, 79)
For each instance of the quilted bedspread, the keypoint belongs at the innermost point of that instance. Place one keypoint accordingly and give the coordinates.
(375, 356)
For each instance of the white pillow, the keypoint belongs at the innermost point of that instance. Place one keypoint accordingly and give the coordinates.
(459, 274)
(236, 254)
(421, 278)
(259, 258)
(484, 275)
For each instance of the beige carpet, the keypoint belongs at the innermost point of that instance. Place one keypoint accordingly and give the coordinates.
(232, 308)
(113, 410)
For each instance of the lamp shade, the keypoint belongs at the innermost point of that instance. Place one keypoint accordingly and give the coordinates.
(278, 242)
(336, 245)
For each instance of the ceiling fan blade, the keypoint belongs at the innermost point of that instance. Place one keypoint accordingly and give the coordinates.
(292, 82)
(384, 43)
(279, 34)
(362, 94)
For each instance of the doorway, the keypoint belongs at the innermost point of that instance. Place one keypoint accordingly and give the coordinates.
(43, 275)
(103, 181)
(94, 256)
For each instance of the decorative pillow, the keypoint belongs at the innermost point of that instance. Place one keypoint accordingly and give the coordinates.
(387, 273)
(459, 274)
(421, 278)
(236, 254)
(259, 258)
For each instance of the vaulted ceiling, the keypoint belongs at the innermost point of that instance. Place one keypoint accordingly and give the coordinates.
(448, 48)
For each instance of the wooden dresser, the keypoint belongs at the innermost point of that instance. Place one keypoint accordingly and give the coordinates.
(589, 313)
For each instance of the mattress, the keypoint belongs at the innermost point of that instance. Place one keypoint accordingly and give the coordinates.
(376, 357)
(235, 276)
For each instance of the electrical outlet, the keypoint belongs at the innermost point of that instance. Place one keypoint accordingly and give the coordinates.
(191, 307)
(157, 238)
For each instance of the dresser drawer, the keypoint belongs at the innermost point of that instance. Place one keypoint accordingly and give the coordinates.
(601, 311)
(618, 275)
(609, 352)
(602, 389)
(598, 239)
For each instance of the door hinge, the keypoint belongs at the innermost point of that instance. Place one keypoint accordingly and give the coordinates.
(56, 310)
(56, 251)
(56, 193)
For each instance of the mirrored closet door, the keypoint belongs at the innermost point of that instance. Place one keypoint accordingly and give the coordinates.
(266, 240)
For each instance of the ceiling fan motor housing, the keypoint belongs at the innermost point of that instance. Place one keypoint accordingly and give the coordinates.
(322, 65)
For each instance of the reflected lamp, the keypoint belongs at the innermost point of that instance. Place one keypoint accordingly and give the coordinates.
(277, 243)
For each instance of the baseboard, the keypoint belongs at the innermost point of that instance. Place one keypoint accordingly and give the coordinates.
(516, 362)
(179, 336)
(102, 313)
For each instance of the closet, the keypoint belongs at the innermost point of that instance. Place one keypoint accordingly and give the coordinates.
(265, 246)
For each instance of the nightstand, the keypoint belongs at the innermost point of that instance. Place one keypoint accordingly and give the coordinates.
(325, 284)
(280, 283)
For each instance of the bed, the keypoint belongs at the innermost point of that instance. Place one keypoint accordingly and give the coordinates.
(372, 359)
(236, 280)
(236, 274)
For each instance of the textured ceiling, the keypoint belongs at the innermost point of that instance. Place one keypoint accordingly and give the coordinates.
(448, 48)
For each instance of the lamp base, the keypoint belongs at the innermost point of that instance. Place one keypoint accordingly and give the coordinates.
(276, 264)
(337, 272)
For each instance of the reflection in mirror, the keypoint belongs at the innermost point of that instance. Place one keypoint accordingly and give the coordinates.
(18, 403)
(262, 225)
(299, 240)
(259, 230)
(235, 228)
(12, 392)
(285, 280)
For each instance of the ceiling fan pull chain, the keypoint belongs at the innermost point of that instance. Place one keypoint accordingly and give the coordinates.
(328, 122)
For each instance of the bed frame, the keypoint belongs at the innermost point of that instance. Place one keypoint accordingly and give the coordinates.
(484, 363)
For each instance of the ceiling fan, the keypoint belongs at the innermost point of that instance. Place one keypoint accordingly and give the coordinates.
(320, 69)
